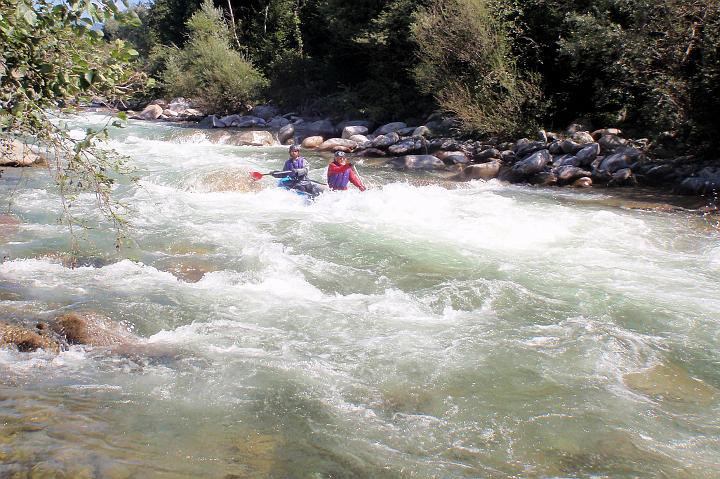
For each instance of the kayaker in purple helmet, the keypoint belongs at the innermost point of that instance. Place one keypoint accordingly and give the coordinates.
(295, 172)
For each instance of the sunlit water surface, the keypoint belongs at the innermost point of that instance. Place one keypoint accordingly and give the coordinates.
(422, 328)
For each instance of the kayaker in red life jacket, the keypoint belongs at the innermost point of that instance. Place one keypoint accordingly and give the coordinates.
(340, 171)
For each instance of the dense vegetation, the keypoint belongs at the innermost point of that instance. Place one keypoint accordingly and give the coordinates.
(502, 67)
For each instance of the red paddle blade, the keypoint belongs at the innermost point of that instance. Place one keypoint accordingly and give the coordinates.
(256, 175)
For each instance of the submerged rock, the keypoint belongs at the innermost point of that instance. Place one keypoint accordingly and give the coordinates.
(670, 382)
(26, 340)
(91, 329)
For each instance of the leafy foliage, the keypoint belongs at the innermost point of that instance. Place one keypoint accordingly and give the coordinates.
(52, 55)
(208, 70)
(466, 62)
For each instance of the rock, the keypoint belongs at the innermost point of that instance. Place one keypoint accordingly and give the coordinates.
(170, 113)
(217, 122)
(312, 142)
(252, 138)
(485, 155)
(445, 155)
(542, 136)
(587, 154)
(385, 141)
(337, 144)
(323, 128)
(406, 131)
(706, 182)
(359, 139)
(671, 382)
(582, 137)
(404, 147)
(349, 131)
(390, 128)
(483, 171)
(609, 143)
(570, 147)
(179, 105)
(247, 122)
(544, 178)
(564, 160)
(91, 329)
(370, 153)
(365, 123)
(151, 112)
(417, 162)
(193, 113)
(568, 174)
(554, 148)
(614, 162)
(535, 163)
(422, 131)
(286, 134)
(525, 147)
(265, 111)
(278, 122)
(26, 340)
(597, 134)
(584, 182)
(622, 177)
(16, 153)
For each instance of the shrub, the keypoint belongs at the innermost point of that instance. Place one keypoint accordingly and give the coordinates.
(465, 61)
(218, 78)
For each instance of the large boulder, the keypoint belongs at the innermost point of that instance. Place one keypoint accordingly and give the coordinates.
(352, 130)
(248, 122)
(614, 162)
(385, 141)
(587, 154)
(609, 143)
(533, 164)
(406, 146)
(151, 112)
(582, 137)
(417, 162)
(324, 128)
(278, 122)
(252, 138)
(312, 142)
(390, 128)
(568, 174)
(265, 111)
(482, 171)
(19, 154)
(706, 182)
(337, 144)
(286, 134)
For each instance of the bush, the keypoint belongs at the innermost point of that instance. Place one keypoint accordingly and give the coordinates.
(465, 61)
(218, 78)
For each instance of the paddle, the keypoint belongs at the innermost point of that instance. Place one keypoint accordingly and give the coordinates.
(256, 175)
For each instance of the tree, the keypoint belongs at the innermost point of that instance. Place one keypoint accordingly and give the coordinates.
(208, 70)
(465, 61)
(51, 56)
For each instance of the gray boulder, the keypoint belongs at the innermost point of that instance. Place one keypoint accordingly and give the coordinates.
(568, 174)
(403, 147)
(614, 162)
(390, 128)
(286, 133)
(417, 162)
(352, 130)
(533, 164)
(586, 155)
(385, 141)
(265, 112)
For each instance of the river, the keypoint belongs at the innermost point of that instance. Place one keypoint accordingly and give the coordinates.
(420, 329)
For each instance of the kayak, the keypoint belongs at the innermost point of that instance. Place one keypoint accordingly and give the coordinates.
(305, 188)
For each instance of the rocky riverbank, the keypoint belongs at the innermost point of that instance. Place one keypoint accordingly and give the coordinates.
(579, 156)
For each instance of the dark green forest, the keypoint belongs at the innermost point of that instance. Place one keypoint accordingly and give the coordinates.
(502, 68)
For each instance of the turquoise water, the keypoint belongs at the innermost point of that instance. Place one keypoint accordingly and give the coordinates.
(422, 328)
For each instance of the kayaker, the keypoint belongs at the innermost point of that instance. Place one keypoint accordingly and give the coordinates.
(294, 175)
(341, 171)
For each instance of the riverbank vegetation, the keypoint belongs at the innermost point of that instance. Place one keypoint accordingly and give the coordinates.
(500, 67)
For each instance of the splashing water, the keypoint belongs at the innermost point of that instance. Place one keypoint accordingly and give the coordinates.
(418, 329)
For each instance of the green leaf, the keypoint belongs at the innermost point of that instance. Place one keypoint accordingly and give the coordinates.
(122, 115)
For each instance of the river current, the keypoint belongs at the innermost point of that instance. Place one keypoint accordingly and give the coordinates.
(420, 329)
